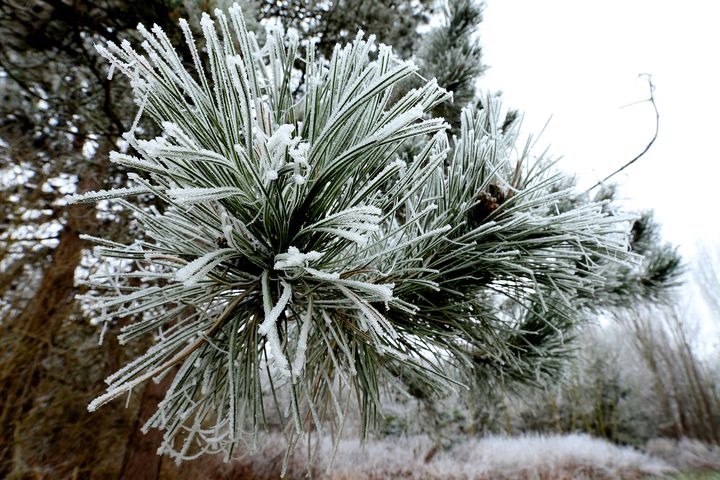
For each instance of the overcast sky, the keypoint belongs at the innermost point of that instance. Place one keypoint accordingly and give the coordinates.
(578, 61)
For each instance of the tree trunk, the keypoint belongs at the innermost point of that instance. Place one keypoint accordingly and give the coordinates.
(38, 323)
(141, 461)
(36, 326)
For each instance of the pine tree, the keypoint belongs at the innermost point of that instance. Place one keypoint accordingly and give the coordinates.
(57, 107)
(298, 247)
(326, 24)
(86, 107)
(57, 103)
(451, 53)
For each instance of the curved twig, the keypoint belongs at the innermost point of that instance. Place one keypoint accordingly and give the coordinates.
(647, 147)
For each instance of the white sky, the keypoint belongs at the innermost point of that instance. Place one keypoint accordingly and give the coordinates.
(578, 62)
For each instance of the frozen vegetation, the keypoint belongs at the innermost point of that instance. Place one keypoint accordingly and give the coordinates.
(299, 248)
(526, 457)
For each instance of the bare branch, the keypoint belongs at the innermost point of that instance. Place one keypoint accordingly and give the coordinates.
(647, 147)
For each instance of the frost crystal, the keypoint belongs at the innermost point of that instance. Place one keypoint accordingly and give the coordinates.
(294, 258)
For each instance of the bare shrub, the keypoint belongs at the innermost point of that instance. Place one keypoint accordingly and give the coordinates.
(687, 393)
(686, 453)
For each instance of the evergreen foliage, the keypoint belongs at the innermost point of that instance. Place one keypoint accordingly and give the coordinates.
(327, 23)
(451, 53)
(298, 248)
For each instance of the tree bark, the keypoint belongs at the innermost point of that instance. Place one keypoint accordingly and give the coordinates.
(39, 322)
(141, 461)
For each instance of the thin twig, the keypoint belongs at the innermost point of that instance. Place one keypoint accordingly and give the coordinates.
(647, 147)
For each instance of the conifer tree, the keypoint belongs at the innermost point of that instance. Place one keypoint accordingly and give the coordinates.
(58, 104)
(297, 245)
(451, 53)
(326, 24)
(91, 106)
(57, 107)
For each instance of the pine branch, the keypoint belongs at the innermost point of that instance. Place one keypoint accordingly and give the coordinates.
(299, 249)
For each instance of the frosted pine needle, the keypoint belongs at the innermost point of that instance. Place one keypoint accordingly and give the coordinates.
(340, 229)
